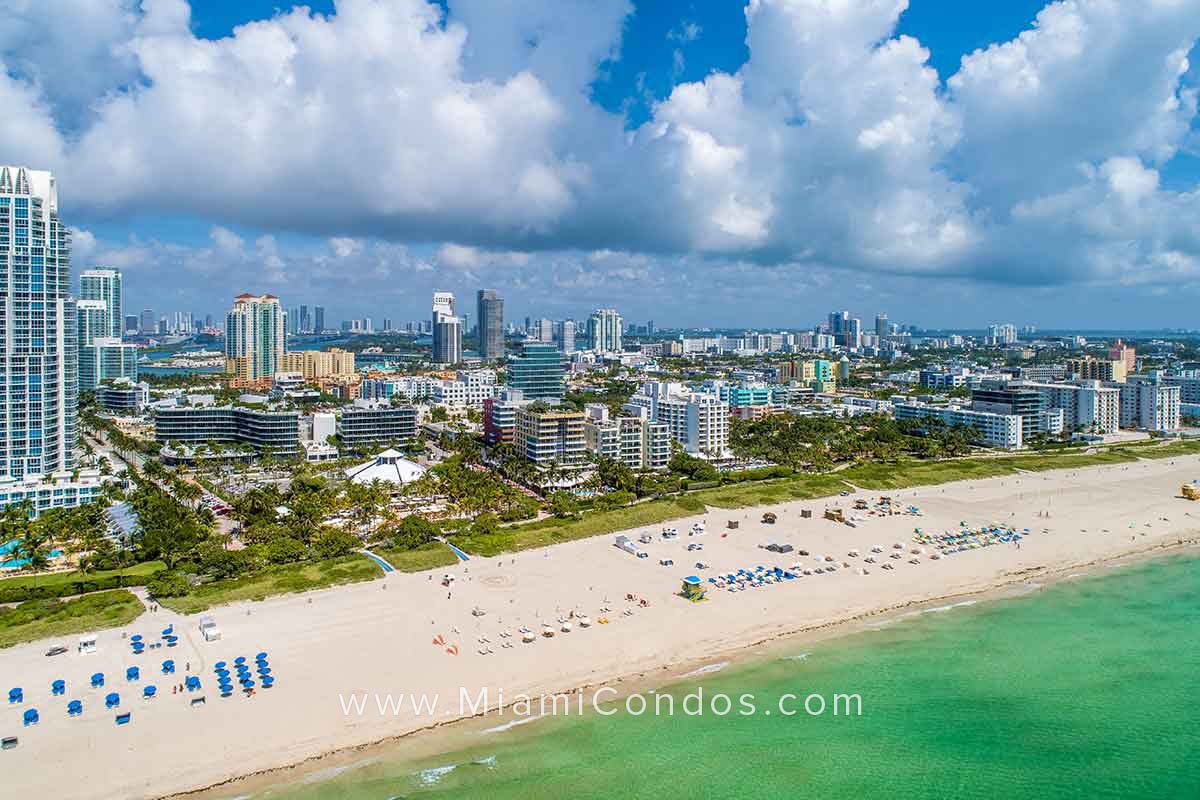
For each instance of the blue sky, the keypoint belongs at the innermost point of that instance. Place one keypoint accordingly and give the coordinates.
(802, 162)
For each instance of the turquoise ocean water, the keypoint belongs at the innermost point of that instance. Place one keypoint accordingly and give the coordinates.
(1089, 688)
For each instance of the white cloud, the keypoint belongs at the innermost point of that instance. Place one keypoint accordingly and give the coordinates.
(472, 134)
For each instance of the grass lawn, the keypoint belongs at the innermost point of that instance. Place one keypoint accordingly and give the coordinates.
(143, 570)
(431, 556)
(595, 523)
(768, 492)
(285, 579)
(41, 619)
(1190, 447)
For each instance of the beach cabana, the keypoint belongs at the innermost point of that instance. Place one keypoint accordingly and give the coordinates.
(97, 679)
(112, 700)
(149, 692)
(74, 708)
(16, 695)
(31, 717)
(132, 674)
(58, 687)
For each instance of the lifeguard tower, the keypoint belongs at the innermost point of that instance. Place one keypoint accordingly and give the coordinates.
(692, 589)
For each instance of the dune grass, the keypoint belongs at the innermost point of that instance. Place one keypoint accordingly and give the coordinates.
(43, 619)
(301, 577)
(431, 556)
(143, 570)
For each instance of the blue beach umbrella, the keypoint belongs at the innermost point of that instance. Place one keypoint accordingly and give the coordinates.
(192, 683)
(220, 665)
(149, 691)
(137, 637)
(31, 717)
(240, 660)
(132, 674)
(268, 682)
(168, 667)
(264, 670)
(112, 700)
(262, 656)
(97, 679)
(58, 687)
(16, 694)
(74, 708)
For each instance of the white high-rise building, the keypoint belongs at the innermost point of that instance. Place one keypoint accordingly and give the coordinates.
(255, 337)
(1149, 405)
(1087, 406)
(104, 284)
(447, 330)
(39, 391)
(700, 422)
(564, 335)
(605, 328)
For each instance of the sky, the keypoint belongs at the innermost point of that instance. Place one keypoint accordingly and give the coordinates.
(695, 163)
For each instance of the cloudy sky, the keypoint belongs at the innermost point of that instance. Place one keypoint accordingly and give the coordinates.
(691, 162)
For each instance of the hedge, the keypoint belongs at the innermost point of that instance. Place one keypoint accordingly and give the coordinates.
(21, 593)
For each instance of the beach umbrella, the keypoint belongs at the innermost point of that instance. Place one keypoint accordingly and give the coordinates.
(167, 631)
(220, 665)
(247, 683)
(97, 679)
(268, 682)
(112, 700)
(74, 708)
(168, 667)
(264, 670)
(132, 674)
(137, 637)
(222, 673)
(193, 683)
(149, 691)
(31, 717)
(262, 656)
(240, 660)
(58, 687)
(16, 695)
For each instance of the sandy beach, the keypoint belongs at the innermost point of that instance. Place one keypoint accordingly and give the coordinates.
(378, 638)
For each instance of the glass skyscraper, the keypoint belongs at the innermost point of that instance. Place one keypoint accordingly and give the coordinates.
(490, 316)
(104, 284)
(38, 345)
(538, 372)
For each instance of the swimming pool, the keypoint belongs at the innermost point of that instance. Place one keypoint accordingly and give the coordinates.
(8, 548)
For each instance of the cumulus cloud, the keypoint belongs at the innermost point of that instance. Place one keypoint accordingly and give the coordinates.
(393, 126)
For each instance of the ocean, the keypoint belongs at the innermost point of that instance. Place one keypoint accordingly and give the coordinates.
(1086, 688)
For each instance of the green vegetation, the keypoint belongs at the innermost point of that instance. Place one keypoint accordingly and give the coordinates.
(285, 579)
(41, 619)
(66, 584)
(427, 556)
(553, 531)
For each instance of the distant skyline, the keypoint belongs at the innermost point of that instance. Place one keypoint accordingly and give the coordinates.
(691, 163)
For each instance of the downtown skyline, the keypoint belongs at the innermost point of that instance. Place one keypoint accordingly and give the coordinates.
(697, 170)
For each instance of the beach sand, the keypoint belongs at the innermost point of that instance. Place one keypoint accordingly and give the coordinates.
(377, 638)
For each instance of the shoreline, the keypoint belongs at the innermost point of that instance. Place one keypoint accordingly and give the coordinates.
(374, 638)
(736, 655)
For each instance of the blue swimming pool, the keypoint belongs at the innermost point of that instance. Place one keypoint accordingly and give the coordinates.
(8, 548)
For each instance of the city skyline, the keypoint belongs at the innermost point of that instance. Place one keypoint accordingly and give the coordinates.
(640, 173)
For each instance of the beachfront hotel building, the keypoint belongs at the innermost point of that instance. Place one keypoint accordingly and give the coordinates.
(255, 338)
(550, 436)
(39, 353)
(994, 430)
(1150, 405)
(58, 489)
(500, 415)
(698, 421)
(1087, 406)
(633, 441)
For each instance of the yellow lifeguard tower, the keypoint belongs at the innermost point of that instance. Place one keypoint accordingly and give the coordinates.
(693, 589)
